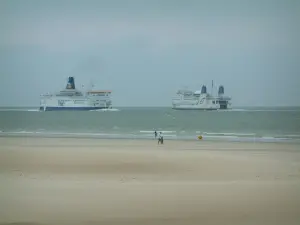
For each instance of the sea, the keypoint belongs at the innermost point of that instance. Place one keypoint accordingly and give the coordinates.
(255, 124)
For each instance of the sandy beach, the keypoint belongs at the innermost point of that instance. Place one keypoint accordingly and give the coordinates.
(97, 181)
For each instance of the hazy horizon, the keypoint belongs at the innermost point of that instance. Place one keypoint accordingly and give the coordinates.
(235, 107)
(145, 51)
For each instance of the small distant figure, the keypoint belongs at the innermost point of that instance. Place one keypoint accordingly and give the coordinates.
(160, 138)
(155, 134)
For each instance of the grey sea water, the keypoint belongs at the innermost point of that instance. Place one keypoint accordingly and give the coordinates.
(254, 124)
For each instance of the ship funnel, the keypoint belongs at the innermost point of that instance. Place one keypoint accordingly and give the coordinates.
(221, 90)
(203, 89)
(71, 83)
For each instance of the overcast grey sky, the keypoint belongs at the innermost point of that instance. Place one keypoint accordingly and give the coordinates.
(145, 50)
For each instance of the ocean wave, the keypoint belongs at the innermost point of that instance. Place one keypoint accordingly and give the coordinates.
(163, 131)
(228, 134)
(37, 110)
(19, 109)
(260, 110)
(292, 135)
(33, 110)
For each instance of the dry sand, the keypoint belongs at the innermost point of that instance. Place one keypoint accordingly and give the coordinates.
(90, 181)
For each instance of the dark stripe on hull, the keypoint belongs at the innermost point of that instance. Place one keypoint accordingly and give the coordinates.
(71, 108)
(194, 109)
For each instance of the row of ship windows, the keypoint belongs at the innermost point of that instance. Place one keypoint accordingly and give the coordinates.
(62, 102)
(71, 101)
(217, 102)
(99, 94)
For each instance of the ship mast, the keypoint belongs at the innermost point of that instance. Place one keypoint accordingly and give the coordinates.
(212, 87)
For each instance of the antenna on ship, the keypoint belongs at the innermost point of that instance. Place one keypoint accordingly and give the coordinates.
(92, 84)
(212, 87)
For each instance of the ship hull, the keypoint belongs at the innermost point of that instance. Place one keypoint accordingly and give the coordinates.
(53, 108)
(199, 109)
(207, 107)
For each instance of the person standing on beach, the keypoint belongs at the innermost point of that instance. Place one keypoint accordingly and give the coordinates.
(160, 138)
(155, 134)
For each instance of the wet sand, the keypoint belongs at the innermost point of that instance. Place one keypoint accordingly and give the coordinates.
(91, 181)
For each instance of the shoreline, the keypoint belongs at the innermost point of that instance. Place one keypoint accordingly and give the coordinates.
(147, 144)
(167, 137)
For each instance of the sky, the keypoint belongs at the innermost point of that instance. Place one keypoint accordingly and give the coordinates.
(145, 50)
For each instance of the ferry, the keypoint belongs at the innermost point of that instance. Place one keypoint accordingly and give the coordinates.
(73, 99)
(201, 100)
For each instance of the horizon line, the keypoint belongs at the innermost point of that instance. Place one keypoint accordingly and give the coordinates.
(167, 106)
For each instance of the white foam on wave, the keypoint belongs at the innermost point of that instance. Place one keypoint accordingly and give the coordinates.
(24, 132)
(59, 133)
(228, 134)
(247, 139)
(151, 135)
(152, 131)
(19, 110)
(275, 138)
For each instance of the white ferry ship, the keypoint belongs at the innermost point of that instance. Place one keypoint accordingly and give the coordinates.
(201, 100)
(72, 99)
